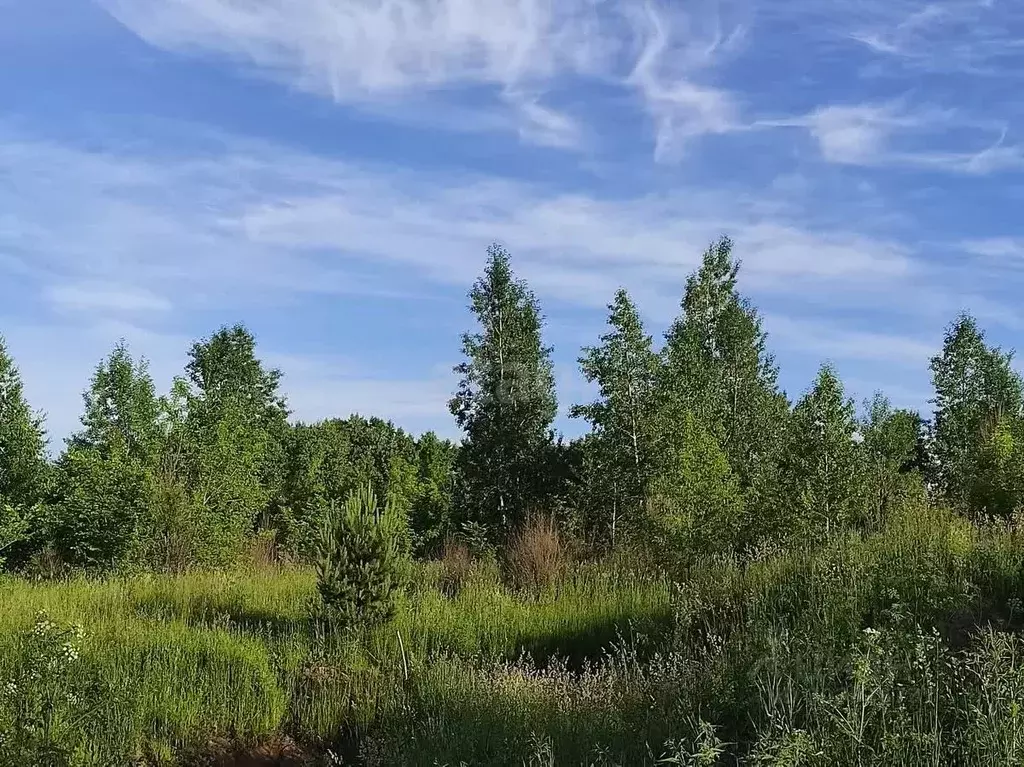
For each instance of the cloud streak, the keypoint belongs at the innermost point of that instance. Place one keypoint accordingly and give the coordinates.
(100, 296)
(888, 134)
(972, 37)
(368, 52)
(255, 228)
(258, 221)
(518, 66)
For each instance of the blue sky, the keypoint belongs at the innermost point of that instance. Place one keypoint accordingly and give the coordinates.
(331, 172)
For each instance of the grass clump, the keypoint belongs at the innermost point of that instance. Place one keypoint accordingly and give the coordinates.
(536, 556)
(456, 567)
(48, 701)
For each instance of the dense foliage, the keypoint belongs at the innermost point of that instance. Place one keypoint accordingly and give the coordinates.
(693, 447)
(713, 574)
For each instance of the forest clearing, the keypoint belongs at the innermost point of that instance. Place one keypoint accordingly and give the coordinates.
(711, 575)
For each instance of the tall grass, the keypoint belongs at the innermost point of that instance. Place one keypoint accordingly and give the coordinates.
(195, 657)
(898, 648)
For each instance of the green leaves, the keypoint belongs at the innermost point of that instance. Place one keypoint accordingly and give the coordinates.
(224, 369)
(716, 365)
(505, 402)
(101, 500)
(223, 443)
(978, 404)
(431, 517)
(696, 502)
(14, 526)
(121, 408)
(625, 368)
(820, 473)
(890, 453)
(328, 460)
(23, 465)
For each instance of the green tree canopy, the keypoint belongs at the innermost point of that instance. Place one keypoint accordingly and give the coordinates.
(978, 396)
(327, 461)
(625, 368)
(121, 408)
(716, 366)
(431, 516)
(23, 464)
(820, 469)
(890, 445)
(505, 402)
(696, 502)
(224, 369)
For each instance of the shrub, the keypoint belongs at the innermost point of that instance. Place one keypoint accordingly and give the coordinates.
(264, 551)
(696, 504)
(98, 505)
(47, 564)
(13, 528)
(173, 539)
(456, 567)
(362, 560)
(536, 555)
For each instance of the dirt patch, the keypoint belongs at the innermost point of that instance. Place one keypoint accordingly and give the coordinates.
(277, 752)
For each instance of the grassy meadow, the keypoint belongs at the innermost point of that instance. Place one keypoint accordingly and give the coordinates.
(894, 648)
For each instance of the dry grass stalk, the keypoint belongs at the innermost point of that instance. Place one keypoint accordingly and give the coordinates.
(456, 567)
(536, 557)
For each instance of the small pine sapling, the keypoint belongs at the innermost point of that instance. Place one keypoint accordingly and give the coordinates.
(362, 560)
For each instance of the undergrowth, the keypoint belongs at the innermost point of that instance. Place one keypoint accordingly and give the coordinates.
(899, 648)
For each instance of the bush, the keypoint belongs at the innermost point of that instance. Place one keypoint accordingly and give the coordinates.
(362, 560)
(696, 504)
(264, 551)
(456, 567)
(536, 557)
(13, 528)
(96, 512)
(175, 537)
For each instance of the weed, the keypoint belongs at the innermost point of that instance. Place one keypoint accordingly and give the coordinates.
(536, 557)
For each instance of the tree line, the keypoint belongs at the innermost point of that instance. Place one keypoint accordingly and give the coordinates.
(692, 448)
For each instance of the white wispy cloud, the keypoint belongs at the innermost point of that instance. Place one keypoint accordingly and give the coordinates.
(997, 247)
(518, 66)
(100, 296)
(365, 52)
(260, 222)
(856, 134)
(546, 127)
(827, 340)
(893, 133)
(256, 226)
(973, 37)
(679, 107)
(991, 159)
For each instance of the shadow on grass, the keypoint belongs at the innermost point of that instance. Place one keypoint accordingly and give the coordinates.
(493, 729)
(592, 642)
(209, 612)
(573, 643)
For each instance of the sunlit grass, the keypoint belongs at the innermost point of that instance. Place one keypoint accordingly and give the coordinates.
(195, 656)
(603, 667)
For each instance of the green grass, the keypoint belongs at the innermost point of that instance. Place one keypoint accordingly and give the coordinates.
(202, 655)
(895, 649)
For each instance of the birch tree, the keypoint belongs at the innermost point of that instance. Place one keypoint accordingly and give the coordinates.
(505, 402)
